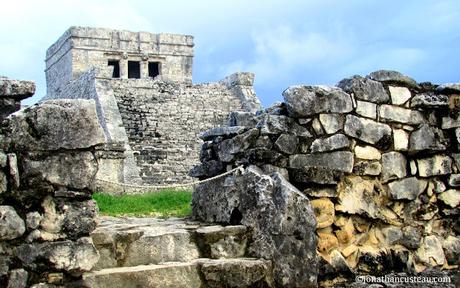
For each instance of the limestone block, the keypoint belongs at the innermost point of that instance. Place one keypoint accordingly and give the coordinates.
(430, 251)
(13, 169)
(269, 206)
(3, 159)
(18, 278)
(75, 170)
(320, 192)
(367, 153)
(430, 101)
(316, 125)
(221, 131)
(331, 122)
(408, 188)
(399, 95)
(392, 235)
(435, 165)
(366, 109)
(228, 148)
(278, 124)
(368, 131)
(367, 168)
(454, 180)
(18, 89)
(398, 114)
(427, 138)
(270, 169)
(334, 142)
(327, 242)
(412, 237)
(206, 169)
(449, 122)
(43, 126)
(451, 246)
(240, 118)
(318, 175)
(337, 161)
(450, 197)
(393, 166)
(400, 140)
(305, 101)
(223, 242)
(324, 212)
(287, 143)
(388, 76)
(11, 225)
(33, 220)
(365, 89)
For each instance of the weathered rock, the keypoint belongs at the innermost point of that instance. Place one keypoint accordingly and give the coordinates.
(280, 217)
(450, 197)
(391, 77)
(429, 101)
(454, 180)
(33, 220)
(18, 278)
(412, 237)
(221, 131)
(245, 119)
(270, 169)
(324, 212)
(331, 122)
(430, 251)
(13, 171)
(275, 124)
(356, 196)
(366, 109)
(367, 168)
(400, 140)
(334, 142)
(223, 242)
(398, 114)
(367, 153)
(392, 235)
(3, 182)
(237, 273)
(449, 88)
(74, 257)
(11, 225)
(337, 161)
(399, 95)
(368, 131)
(75, 170)
(3, 159)
(408, 188)
(317, 128)
(451, 246)
(327, 242)
(321, 192)
(304, 101)
(449, 122)
(56, 124)
(393, 166)
(435, 165)
(206, 169)
(287, 143)
(318, 175)
(365, 89)
(17, 89)
(427, 138)
(228, 148)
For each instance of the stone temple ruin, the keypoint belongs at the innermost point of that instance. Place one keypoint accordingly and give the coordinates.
(336, 183)
(149, 109)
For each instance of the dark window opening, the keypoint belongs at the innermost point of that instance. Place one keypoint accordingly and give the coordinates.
(154, 69)
(116, 68)
(134, 69)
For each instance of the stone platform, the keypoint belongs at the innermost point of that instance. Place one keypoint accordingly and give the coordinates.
(152, 252)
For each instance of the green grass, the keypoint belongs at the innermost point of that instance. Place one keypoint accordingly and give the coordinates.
(166, 203)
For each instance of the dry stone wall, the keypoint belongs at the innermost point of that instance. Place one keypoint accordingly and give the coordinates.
(48, 162)
(377, 157)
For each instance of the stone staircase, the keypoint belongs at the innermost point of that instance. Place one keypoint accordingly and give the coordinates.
(151, 252)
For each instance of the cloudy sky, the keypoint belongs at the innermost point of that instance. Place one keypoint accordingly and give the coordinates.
(283, 42)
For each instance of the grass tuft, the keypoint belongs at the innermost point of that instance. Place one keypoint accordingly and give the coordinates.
(166, 203)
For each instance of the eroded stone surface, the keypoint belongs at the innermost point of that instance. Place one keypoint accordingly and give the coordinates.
(11, 225)
(365, 89)
(368, 131)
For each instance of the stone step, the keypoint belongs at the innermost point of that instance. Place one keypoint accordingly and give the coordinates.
(243, 272)
(126, 242)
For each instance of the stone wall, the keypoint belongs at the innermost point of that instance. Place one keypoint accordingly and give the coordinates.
(11, 94)
(377, 157)
(48, 162)
(163, 120)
